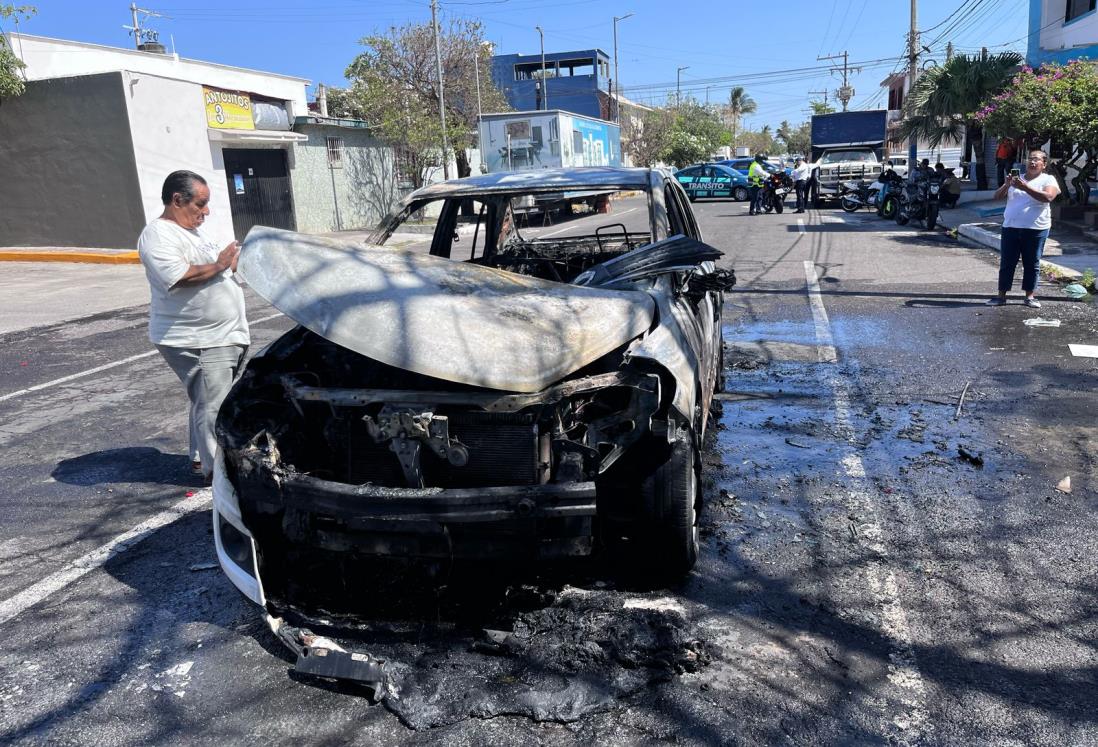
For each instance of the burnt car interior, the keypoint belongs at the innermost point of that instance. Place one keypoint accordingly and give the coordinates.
(328, 449)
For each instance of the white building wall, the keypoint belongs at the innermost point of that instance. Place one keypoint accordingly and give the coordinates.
(168, 127)
(58, 58)
(1080, 33)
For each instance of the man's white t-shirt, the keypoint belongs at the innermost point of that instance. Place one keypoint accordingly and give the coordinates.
(801, 173)
(1022, 211)
(189, 316)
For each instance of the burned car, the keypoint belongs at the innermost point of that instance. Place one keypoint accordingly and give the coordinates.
(522, 390)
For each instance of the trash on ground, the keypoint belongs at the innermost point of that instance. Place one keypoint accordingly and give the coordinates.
(1084, 351)
(1075, 290)
(204, 567)
(1064, 486)
(791, 442)
(1039, 322)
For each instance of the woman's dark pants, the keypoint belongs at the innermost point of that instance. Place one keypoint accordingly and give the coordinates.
(1026, 244)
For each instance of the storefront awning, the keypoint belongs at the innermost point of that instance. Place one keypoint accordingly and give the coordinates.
(255, 136)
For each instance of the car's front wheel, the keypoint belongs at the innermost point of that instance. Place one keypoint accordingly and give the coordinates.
(670, 497)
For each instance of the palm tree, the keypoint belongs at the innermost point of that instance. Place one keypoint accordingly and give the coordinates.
(739, 104)
(942, 104)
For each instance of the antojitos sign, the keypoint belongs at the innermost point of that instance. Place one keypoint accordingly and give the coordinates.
(228, 110)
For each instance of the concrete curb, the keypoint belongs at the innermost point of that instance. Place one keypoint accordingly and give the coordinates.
(976, 233)
(103, 258)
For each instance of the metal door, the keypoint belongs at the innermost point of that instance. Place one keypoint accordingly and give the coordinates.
(259, 189)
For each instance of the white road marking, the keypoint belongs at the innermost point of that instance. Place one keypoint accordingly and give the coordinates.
(83, 565)
(903, 671)
(800, 225)
(554, 233)
(98, 369)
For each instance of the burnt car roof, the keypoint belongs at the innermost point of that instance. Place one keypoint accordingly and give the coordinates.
(543, 180)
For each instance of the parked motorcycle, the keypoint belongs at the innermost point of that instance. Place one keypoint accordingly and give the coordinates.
(888, 198)
(920, 199)
(774, 190)
(857, 194)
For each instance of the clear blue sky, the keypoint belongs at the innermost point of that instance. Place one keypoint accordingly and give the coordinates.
(716, 40)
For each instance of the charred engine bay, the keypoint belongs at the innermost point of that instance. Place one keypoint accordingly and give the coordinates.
(326, 489)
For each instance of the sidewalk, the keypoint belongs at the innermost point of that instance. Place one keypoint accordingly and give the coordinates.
(1071, 248)
(69, 254)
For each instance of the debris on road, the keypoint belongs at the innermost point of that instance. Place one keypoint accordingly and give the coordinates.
(1075, 290)
(1039, 322)
(1064, 486)
(1084, 351)
(204, 567)
(971, 457)
(961, 401)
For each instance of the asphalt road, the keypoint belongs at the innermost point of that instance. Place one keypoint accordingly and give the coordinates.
(880, 564)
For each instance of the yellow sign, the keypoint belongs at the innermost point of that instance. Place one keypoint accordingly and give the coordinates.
(228, 110)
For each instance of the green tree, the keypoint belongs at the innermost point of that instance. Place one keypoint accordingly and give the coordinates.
(739, 104)
(679, 134)
(1058, 103)
(943, 102)
(394, 87)
(759, 141)
(821, 107)
(796, 139)
(11, 67)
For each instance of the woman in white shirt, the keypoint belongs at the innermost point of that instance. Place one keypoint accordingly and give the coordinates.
(1026, 221)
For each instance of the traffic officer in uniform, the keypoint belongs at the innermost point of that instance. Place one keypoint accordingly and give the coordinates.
(756, 175)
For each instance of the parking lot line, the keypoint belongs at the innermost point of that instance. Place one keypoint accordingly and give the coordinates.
(83, 565)
(903, 671)
(98, 369)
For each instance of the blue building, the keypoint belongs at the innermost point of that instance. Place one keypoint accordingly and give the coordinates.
(577, 82)
(1062, 30)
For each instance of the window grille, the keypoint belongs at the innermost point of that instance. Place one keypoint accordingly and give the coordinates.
(335, 152)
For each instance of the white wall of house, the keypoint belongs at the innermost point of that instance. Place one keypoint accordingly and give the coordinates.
(59, 58)
(1082, 32)
(168, 127)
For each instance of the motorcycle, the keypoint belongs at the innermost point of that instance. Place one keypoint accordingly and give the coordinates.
(774, 190)
(858, 194)
(888, 198)
(920, 200)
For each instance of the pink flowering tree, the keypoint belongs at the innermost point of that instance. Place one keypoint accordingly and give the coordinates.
(1057, 103)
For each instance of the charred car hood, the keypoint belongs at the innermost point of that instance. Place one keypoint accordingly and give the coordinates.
(439, 317)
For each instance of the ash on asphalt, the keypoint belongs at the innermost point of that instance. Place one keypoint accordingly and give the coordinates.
(551, 643)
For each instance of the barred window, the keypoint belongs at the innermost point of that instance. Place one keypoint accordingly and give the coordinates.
(335, 152)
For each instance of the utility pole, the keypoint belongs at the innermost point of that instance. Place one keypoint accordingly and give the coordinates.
(441, 104)
(845, 92)
(615, 88)
(140, 35)
(678, 84)
(912, 72)
(949, 51)
(476, 67)
(544, 81)
(815, 93)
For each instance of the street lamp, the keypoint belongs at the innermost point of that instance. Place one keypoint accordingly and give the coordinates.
(615, 90)
(678, 84)
(544, 82)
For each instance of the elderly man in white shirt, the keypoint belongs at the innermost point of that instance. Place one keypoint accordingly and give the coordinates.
(801, 171)
(196, 318)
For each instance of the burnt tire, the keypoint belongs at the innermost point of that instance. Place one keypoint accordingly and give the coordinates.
(669, 528)
(740, 194)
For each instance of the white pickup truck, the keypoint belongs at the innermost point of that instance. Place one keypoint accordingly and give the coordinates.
(835, 166)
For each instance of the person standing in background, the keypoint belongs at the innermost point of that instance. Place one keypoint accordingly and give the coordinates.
(801, 170)
(1026, 222)
(1004, 159)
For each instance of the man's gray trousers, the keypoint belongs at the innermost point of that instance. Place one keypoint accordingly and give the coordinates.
(208, 374)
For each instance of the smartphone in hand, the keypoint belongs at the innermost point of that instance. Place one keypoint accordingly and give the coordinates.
(1015, 172)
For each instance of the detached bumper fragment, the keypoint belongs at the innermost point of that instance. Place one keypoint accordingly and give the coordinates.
(318, 656)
